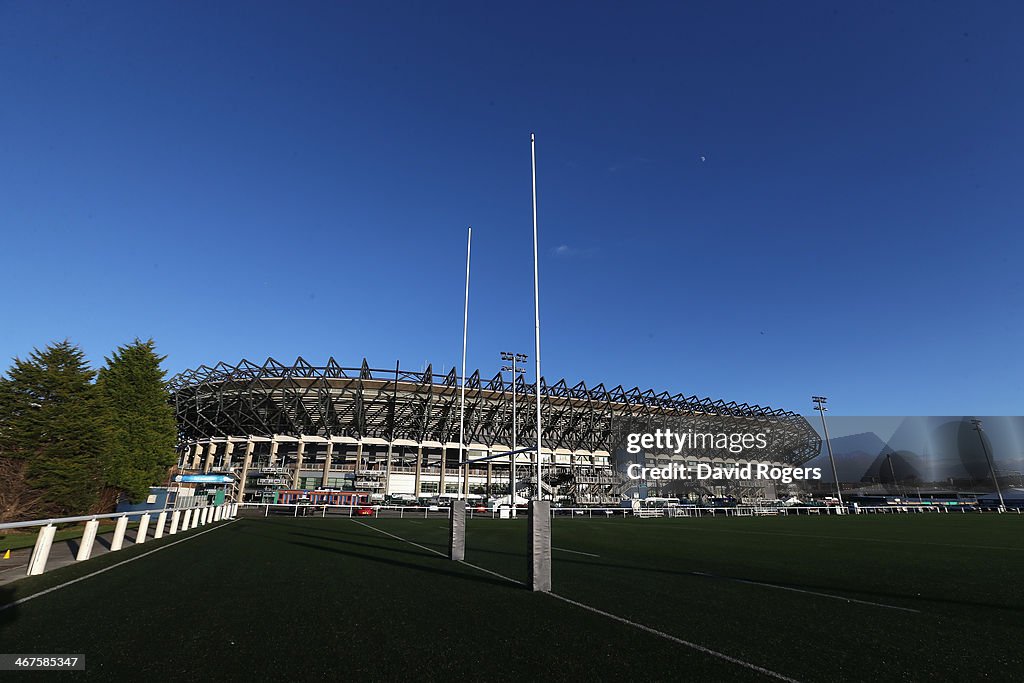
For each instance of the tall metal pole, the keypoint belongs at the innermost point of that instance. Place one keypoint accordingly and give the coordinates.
(820, 405)
(515, 370)
(462, 400)
(988, 459)
(512, 458)
(536, 306)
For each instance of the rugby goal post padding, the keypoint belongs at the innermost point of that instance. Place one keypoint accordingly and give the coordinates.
(540, 545)
(457, 531)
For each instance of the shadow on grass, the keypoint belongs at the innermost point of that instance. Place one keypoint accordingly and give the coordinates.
(8, 610)
(345, 532)
(466, 576)
(846, 592)
(374, 546)
(342, 539)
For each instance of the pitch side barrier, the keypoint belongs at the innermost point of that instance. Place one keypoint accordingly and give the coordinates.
(364, 510)
(181, 520)
(444, 512)
(755, 511)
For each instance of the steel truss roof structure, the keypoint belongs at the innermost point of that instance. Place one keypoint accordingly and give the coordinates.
(423, 407)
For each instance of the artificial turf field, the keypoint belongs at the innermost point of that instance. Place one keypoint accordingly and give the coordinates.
(893, 597)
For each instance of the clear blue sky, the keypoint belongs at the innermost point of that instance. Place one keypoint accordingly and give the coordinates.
(281, 179)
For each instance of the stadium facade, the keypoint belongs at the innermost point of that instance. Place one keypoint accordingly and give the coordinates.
(395, 432)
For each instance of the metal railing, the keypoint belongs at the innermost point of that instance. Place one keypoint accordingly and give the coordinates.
(181, 520)
(479, 511)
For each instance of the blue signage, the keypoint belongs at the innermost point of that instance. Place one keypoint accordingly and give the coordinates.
(204, 478)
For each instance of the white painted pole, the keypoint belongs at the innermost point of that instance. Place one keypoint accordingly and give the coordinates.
(41, 551)
(217, 512)
(140, 536)
(536, 307)
(186, 523)
(195, 518)
(462, 400)
(119, 529)
(88, 538)
(161, 522)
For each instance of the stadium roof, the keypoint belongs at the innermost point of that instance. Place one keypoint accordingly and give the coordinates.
(331, 399)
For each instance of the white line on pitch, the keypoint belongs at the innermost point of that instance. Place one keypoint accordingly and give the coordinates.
(901, 541)
(107, 569)
(802, 590)
(680, 641)
(574, 552)
(648, 629)
(431, 550)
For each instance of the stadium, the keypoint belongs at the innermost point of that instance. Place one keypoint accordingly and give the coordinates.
(395, 432)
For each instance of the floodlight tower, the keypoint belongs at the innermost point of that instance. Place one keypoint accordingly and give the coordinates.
(991, 469)
(516, 371)
(819, 404)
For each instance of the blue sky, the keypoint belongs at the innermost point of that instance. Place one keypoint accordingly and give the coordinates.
(270, 179)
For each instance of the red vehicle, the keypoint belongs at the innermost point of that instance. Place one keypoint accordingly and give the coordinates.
(364, 512)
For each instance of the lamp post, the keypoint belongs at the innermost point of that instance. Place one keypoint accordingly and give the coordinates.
(819, 404)
(516, 371)
(992, 470)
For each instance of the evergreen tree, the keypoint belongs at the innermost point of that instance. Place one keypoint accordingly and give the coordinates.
(144, 428)
(52, 417)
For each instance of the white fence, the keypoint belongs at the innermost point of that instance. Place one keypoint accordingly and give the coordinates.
(441, 511)
(180, 520)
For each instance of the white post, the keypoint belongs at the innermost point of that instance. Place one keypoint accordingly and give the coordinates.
(195, 518)
(119, 529)
(216, 513)
(140, 536)
(536, 306)
(463, 461)
(186, 523)
(88, 538)
(161, 521)
(205, 516)
(234, 509)
(175, 516)
(41, 551)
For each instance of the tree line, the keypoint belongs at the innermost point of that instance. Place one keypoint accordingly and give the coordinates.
(74, 440)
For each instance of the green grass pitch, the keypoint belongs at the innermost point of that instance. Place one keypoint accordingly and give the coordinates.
(901, 597)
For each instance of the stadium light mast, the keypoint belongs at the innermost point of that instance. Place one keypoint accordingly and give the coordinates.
(988, 459)
(516, 371)
(536, 306)
(462, 399)
(819, 404)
